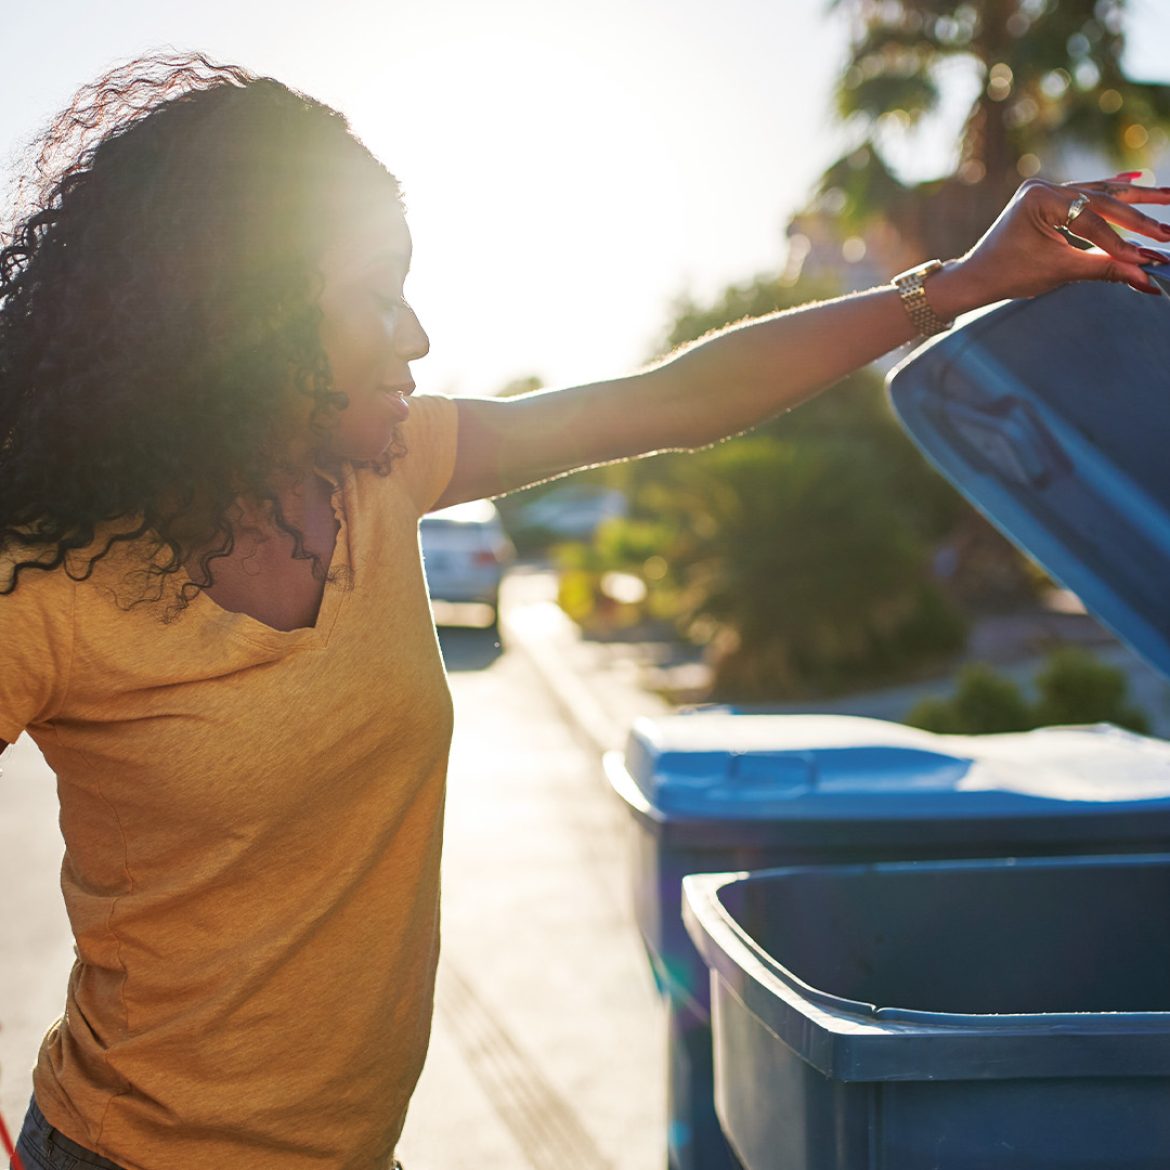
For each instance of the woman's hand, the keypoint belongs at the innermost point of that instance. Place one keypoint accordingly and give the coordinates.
(1026, 251)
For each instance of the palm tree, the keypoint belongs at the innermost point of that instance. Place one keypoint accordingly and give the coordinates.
(1050, 76)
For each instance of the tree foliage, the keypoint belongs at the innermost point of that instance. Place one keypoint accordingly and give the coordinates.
(799, 553)
(1048, 73)
(806, 560)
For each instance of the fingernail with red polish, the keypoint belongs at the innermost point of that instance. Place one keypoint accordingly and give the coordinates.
(1152, 256)
(1127, 174)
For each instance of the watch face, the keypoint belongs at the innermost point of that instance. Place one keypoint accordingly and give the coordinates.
(919, 271)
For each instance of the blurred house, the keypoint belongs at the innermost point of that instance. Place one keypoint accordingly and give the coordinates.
(819, 249)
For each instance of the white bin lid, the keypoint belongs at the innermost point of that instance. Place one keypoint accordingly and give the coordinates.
(726, 766)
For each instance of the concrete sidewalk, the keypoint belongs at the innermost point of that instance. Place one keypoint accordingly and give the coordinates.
(548, 1050)
(598, 686)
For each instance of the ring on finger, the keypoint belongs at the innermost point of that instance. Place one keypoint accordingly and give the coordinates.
(1075, 208)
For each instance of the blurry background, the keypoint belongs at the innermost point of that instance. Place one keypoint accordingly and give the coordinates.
(591, 185)
(588, 186)
(570, 169)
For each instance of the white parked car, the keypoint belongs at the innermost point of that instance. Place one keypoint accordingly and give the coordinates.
(465, 552)
(572, 512)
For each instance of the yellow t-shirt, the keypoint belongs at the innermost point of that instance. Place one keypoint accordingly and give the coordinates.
(252, 822)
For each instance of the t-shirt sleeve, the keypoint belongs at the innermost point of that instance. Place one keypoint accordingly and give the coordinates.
(430, 437)
(36, 649)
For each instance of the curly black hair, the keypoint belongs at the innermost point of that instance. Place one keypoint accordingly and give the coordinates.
(158, 300)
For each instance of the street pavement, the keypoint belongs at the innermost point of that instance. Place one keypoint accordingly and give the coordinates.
(549, 1047)
(37, 946)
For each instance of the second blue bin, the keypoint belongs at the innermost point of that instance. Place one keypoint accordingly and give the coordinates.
(969, 1015)
(711, 792)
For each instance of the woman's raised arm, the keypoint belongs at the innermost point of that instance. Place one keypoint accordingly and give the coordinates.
(737, 378)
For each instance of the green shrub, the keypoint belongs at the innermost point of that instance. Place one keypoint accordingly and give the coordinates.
(1072, 687)
(1075, 687)
(935, 714)
(984, 702)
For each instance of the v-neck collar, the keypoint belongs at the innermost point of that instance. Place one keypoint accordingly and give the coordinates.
(337, 586)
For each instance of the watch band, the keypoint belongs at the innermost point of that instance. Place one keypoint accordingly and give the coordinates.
(910, 288)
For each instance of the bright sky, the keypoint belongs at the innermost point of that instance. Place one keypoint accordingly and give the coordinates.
(570, 168)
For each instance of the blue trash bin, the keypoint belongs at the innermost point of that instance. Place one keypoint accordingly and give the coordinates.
(1052, 415)
(1006, 1014)
(709, 792)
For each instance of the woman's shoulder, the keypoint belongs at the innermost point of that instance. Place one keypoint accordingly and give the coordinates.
(423, 456)
(31, 574)
(45, 575)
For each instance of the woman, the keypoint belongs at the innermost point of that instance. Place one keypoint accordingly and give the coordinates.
(214, 621)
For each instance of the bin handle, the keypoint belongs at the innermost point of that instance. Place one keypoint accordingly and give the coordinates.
(856, 768)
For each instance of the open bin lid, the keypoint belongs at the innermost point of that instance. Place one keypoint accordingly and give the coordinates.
(1052, 416)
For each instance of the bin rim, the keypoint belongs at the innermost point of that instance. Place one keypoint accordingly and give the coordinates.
(614, 766)
(855, 1041)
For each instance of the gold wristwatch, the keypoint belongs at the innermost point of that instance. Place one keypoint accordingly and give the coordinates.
(910, 288)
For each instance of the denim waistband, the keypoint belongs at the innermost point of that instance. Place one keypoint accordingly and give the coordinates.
(43, 1147)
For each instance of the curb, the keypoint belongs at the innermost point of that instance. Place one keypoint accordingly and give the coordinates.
(553, 644)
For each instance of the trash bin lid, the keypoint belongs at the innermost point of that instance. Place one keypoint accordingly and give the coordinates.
(1053, 417)
(717, 766)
